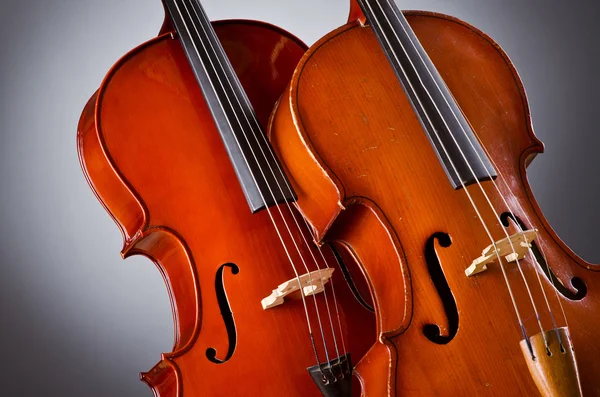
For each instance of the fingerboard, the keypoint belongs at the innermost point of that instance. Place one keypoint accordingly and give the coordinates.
(455, 143)
(257, 169)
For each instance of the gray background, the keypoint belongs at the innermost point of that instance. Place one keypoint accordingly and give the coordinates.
(78, 321)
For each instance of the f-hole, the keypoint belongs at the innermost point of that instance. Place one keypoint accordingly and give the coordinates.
(576, 282)
(211, 353)
(433, 331)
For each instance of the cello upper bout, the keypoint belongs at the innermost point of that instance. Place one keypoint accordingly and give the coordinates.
(110, 191)
(320, 193)
(502, 85)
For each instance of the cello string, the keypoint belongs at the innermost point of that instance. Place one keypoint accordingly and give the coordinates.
(230, 68)
(519, 267)
(462, 184)
(260, 133)
(540, 245)
(261, 194)
(263, 137)
(487, 170)
(263, 199)
(518, 225)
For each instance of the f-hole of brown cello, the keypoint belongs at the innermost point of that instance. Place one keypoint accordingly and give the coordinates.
(577, 283)
(433, 332)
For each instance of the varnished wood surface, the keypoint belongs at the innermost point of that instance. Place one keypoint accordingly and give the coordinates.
(355, 149)
(356, 13)
(151, 153)
(553, 372)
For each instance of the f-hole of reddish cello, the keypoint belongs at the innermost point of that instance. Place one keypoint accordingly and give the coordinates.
(433, 331)
(576, 282)
(225, 308)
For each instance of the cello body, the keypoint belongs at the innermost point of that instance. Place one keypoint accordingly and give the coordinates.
(151, 153)
(360, 161)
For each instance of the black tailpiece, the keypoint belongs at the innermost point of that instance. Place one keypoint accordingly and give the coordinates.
(334, 378)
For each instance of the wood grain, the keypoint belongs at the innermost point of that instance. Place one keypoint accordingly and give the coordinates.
(352, 143)
(150, 150)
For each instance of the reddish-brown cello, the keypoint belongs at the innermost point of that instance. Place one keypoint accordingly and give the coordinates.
(416, 126)
(169, 163)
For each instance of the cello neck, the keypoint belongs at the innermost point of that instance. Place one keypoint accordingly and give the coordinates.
(260, 175)
(457, 147)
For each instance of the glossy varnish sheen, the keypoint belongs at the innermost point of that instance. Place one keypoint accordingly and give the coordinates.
(151, 153)
(359, 157)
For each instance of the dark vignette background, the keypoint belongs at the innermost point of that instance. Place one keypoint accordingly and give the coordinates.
(75, 319)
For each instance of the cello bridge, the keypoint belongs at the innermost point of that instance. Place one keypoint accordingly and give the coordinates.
(311, 284)
(520, 242)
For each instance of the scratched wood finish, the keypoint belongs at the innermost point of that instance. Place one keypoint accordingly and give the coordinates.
(355, 150)
(153, 157)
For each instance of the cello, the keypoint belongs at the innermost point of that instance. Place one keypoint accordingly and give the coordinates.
(173, 147)
(415, 126)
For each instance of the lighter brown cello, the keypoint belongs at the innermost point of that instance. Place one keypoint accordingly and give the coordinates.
(361, 161)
